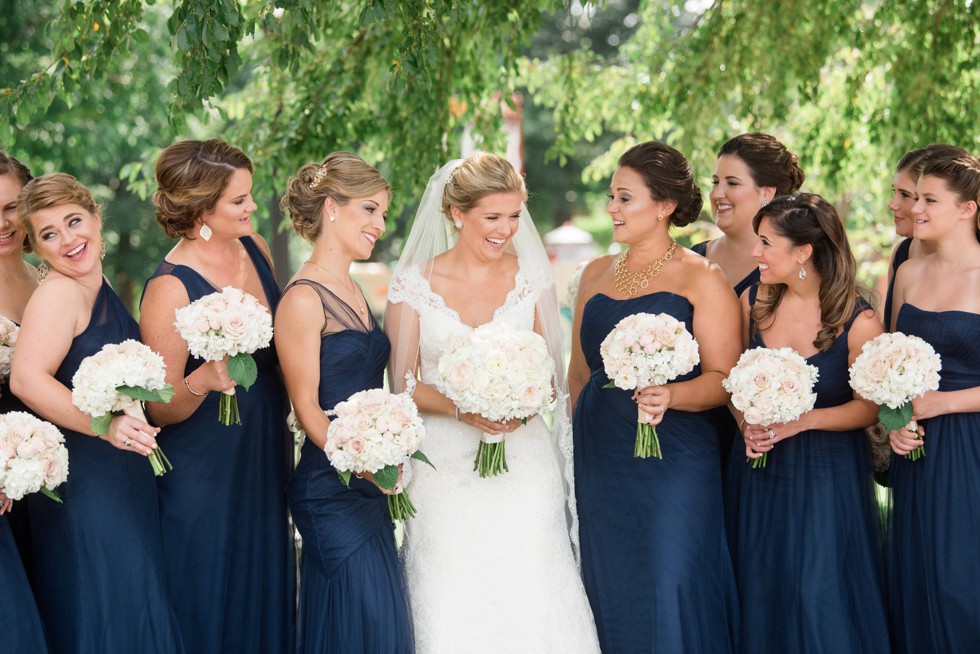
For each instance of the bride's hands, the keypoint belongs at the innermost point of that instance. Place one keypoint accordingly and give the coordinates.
(367, 476)
(489, 426)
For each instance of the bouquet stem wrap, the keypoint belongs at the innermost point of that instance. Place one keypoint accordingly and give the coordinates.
(647, 443)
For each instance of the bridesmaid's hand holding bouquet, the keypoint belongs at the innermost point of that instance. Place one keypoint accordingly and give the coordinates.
(891, 371)
(230, 323)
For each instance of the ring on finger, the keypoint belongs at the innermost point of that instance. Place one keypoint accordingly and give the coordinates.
(771, 433)
(129, 442)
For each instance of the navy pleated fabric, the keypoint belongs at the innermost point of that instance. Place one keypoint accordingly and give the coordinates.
(352, 591)
(935, 532)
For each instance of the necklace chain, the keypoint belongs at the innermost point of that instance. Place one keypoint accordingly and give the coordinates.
(352, 290)
(629, 283)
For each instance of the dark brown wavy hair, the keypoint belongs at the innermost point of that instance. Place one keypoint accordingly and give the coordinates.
(769, 162)
(808, 219)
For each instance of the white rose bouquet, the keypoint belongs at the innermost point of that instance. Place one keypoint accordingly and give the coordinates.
(376, 432)
(116, 380)
(33, 456)
(646, 349)
(891, 371)
(230, 323)
(771, 386)
(501, 373)
(8, 338)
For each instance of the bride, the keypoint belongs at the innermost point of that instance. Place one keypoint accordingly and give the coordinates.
(489, 561)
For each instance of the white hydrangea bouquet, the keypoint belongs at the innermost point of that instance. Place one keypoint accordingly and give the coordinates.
(891, 371)
(116, 380)
(771, 386)
(376, 432)
(646, 349)
(8, 338)
(230, 323)
(33, 456)
(501, 373)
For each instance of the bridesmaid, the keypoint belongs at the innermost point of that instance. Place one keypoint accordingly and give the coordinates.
(804, 529)
(654, 555)
(98, 561)
(751, 170)
(907, 173)
(352, 593)
(227, 542)
(20, 624)
(935, 572)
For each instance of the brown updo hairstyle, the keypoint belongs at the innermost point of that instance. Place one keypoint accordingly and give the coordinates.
(478, 176)
(808, 219)
(769, 162)
(668, 176)
(961, 173)
(914, 161)
(191, 176)
(51, 190)
(11, 166)
(342, 176)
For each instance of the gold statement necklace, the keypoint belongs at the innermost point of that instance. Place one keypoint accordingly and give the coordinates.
(353, 290)
(629, 283)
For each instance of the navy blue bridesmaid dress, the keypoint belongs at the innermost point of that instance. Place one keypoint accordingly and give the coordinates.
(935, 531)
(226, 537)
(721, 417)
(352, 592)
(17, 519)
(98, 561)
(901, 256)
(20, 624)
(654, 554)
(805, 535)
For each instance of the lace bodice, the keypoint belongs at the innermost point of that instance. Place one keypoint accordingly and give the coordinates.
(440, 324)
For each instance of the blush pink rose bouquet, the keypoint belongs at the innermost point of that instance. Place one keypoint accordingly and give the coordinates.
(501, 373)
(376, 432)
(230, 323)
(891, 371)
(33, 456)
(8, 338)
(771, 386)
(646, 349)
(118, 379)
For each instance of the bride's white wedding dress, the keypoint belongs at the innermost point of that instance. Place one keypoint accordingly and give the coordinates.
(488, 562)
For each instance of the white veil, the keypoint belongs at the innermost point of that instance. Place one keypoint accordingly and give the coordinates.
(431, 235)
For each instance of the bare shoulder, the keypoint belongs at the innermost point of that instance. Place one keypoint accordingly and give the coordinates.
(596, 268)
(263, 245)
(864, 327)
(162, 293)
(703, 278)
(56, 296)
(298, 300)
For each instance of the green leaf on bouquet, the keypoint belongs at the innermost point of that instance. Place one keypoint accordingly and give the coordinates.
(344, 477)
(145, 395)
(418, 456)
(243, 370)
(611, 384)
(387, 477)
(100, 424)
(53, 494)
(892, 419)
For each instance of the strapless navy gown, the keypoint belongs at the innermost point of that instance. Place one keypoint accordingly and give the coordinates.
(352, 592)
(654, 554)
(98, 561)
(721, 417)
(805, 534)
(226, 538)
(935, 532)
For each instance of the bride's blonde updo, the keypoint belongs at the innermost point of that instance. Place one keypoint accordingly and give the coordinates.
(342, 176)
(478, 176)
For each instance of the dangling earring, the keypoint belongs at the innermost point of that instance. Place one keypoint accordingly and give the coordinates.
(42, 271)
(660, 218)
(205, 232)
(802, 273)
(458, 223)
(332, 218)
(102, 251)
